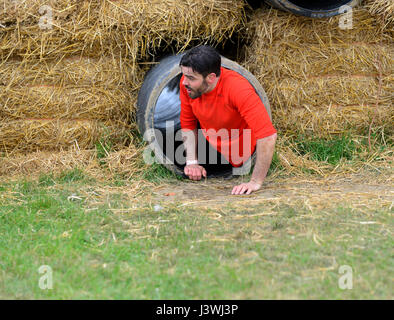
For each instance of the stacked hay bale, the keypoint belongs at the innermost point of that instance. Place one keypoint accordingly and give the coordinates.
(70, 70)
(383, 10)
(54, 104)
(324, 77)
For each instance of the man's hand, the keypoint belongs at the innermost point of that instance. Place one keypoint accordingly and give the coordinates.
(265, 150)
(246, 187)
(195, 172)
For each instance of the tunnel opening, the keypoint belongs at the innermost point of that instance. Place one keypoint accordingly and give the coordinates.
(320, 4)
(158, 110)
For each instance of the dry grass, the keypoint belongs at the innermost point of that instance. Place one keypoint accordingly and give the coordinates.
(127, 163)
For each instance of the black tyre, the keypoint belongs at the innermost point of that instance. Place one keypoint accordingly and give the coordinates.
(314, 9)
(154, 83)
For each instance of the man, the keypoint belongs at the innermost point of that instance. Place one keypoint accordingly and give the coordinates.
(223, 102)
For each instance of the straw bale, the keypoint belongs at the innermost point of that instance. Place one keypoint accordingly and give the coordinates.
(75, 88)
(77, 32)
(47, 134)
(334, 89)
(270, 26)
(48, 162)
(105, 71)
(127, 162)
(320, 79)
(31, 135)
(333, 119)
(81, 102)
(182, 21)
(383, 10)
(12, 11)
(300, 60)
(133, 28)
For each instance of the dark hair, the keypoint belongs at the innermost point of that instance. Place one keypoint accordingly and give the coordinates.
(202, 59)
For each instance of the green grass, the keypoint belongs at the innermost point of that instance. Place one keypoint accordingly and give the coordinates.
(108, 250)
(72, 175)
(330, 151)
(157, 173)
(113, 246)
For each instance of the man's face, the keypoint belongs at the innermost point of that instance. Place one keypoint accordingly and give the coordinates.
(194, 82)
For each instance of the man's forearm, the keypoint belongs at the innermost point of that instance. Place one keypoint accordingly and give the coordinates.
(189, 138)
(264, 151)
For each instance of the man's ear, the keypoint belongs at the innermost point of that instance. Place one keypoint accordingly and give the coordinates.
(211, 77)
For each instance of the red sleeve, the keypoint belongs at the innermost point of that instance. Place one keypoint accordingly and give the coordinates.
(251, 108)
(188, 119)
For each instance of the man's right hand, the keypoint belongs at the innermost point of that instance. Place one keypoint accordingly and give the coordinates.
(195, 172)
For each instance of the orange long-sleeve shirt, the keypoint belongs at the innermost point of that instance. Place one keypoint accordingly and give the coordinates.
(232, 116)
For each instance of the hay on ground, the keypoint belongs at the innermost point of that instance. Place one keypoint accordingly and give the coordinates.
(126, 163)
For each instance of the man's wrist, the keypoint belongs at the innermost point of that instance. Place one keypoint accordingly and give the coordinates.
(257, 182)
(191, 162)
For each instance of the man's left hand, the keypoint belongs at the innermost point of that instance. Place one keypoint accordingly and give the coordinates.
(246, 188)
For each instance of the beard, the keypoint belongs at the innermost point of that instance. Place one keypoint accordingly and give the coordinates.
(196, 93)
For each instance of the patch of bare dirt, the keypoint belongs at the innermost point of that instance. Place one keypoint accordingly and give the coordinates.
(211, 192)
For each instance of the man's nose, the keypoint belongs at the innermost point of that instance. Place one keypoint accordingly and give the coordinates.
(184, 82)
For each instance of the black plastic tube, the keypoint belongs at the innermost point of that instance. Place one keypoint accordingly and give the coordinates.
(314, 9)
